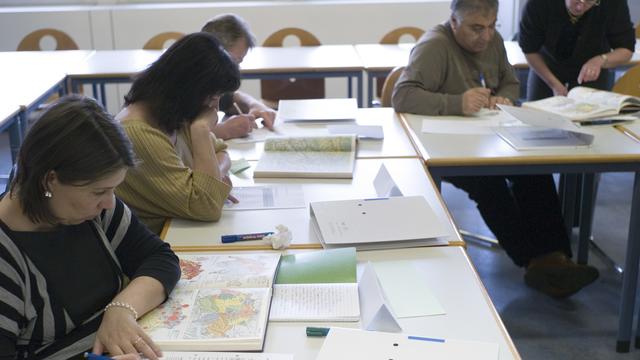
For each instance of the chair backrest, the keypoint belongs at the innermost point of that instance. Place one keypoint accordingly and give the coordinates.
(393, 36)
(629, 83)
(158, 42)
(389, 83)
(638, 31)
(31, 42)
(274, 90)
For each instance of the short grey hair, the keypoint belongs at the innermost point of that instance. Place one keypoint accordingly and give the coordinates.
(460, 8)
(229, 28)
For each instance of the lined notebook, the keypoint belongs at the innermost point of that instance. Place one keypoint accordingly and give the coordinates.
(316, 286)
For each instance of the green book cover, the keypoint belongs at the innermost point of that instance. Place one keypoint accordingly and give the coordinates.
(318, 267)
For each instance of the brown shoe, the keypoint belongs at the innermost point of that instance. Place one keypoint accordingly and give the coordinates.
(557, 276)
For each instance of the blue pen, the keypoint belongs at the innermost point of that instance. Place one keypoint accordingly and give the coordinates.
(602, 122)
(92, 356)
(244, 237)
(482, 81)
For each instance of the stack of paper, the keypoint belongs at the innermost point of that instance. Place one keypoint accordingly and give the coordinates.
(317, 110)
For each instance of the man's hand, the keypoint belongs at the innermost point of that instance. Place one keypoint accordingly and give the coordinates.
(235, 126)
(591, 69)
(475, 99)
(267, 114)
(495, 100)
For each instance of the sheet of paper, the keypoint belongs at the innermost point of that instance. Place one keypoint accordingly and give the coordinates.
(362, 131)
(460, 127)
(267, 197)
(178, 355)
(315, 302)
(407, 293)
(384, 184)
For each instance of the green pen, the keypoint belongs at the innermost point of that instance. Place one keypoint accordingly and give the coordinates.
(317, 331)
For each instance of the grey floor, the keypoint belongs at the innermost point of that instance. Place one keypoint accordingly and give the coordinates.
(581, 327)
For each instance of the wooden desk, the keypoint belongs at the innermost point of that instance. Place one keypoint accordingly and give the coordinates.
(612, 151)
(380, 59)
(408, 173)
(305, 62)
(109, 67)
(117, 66)
(28, 79)
(396, 143)
(449, 274)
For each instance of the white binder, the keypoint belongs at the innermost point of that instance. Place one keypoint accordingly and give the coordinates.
(379, 223)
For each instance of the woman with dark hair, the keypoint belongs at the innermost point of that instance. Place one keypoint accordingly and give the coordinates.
(572, 42)
(77, 268)
(169, 113)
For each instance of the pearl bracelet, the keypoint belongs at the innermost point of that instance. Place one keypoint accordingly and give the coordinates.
(122, 305)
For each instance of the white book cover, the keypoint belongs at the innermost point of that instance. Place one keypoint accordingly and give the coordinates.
(390, 222)
(367, 345)
(318, 110)
(542, 130)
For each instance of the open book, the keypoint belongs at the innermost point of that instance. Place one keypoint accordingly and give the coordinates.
(221, 303)
(308, 157)
(318, 285)
(582, 103)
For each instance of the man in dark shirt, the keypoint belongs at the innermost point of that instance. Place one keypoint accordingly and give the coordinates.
(570, 42)
(242, 109)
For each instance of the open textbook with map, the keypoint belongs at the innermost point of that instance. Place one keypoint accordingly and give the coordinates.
(221, 303)
(583, 103)
(330, 156)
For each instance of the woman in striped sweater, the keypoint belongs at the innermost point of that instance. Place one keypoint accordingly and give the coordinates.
(76, 267)
(169, 113)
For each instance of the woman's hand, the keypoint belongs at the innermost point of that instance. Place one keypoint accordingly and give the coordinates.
(120, 335)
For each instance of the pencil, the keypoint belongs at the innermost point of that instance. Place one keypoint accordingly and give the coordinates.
(235, 105)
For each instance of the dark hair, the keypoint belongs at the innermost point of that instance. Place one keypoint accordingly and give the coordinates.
(176, 86)
(229, 28)
(76, 138)
(460, 8)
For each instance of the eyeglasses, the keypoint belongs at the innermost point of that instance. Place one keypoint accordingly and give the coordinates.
(589, 2)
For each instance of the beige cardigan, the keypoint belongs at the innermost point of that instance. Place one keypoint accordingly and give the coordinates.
(162, 186)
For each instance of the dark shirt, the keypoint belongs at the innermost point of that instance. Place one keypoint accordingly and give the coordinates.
(76, 270)
(546, 29)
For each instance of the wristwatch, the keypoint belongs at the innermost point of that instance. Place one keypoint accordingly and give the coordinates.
(605, 58)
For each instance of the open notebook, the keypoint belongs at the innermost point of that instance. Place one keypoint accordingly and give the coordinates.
(317, 285)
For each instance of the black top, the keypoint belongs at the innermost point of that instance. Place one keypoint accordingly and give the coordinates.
(55, 284)
(545, 28)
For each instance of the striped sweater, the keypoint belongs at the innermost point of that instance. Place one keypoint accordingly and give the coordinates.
(37, 321)
(162, 186)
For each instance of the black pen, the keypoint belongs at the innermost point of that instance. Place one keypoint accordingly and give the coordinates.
(602, 122)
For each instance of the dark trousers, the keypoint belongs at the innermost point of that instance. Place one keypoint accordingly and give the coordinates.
(522, 211)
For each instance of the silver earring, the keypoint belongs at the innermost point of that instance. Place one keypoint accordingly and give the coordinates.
(48, 194)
